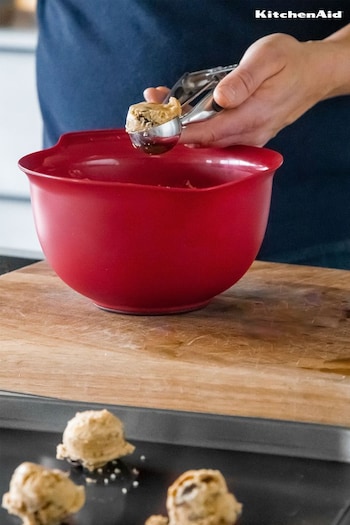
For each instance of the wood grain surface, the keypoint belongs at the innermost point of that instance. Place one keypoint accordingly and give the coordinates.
(275, 345)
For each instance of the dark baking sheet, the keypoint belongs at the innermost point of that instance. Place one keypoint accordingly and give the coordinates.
(283, 473)
(10, 263)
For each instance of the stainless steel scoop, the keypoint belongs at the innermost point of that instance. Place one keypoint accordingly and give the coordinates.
(198, 87)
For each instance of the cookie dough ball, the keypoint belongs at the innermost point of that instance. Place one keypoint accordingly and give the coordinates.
(41, 496)
(146, 115)
(199, 497)
(93, 438)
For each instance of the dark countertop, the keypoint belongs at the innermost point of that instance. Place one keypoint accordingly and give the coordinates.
(8, 263)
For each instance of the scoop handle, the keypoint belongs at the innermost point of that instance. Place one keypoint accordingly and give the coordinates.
(205, 109)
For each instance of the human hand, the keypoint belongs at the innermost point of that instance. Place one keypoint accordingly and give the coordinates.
(277, 80)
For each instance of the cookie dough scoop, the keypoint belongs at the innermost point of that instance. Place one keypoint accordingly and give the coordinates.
(156, 128)
(93, 438)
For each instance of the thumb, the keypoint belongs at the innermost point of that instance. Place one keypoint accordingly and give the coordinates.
(236, 87)
(258, 63)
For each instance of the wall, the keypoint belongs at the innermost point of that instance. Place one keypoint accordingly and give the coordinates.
(20, 133)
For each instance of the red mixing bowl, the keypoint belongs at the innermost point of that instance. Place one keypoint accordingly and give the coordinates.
(149, 234)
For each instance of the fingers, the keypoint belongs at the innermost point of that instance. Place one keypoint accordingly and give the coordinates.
(156, 95)
(199, 135)
(241, 125)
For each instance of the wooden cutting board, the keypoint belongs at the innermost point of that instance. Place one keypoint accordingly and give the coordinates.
(275, 345)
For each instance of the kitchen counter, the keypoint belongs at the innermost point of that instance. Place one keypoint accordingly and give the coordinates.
(276, 345)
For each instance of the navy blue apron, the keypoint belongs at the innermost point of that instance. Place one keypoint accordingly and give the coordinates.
(95, 58)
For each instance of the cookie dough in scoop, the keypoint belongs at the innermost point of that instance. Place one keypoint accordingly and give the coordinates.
(145, 115)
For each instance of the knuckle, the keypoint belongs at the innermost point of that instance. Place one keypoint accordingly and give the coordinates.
(247, 80)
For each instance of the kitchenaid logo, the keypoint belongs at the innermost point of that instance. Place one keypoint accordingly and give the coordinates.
(321, 13)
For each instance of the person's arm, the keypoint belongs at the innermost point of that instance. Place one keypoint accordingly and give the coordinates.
(339, 44)
(277, 80)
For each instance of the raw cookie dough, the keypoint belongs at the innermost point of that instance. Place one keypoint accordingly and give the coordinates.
(145, 115)
(199, 497)
(41, 496)
(93, 438)
(157, 520)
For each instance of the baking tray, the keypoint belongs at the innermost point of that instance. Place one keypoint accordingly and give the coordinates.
(284, 473)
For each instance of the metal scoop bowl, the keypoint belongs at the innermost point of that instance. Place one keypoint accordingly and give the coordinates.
(190, 87)
(158, 139)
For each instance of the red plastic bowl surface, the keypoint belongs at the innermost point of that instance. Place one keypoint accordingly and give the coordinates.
(149, 234)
